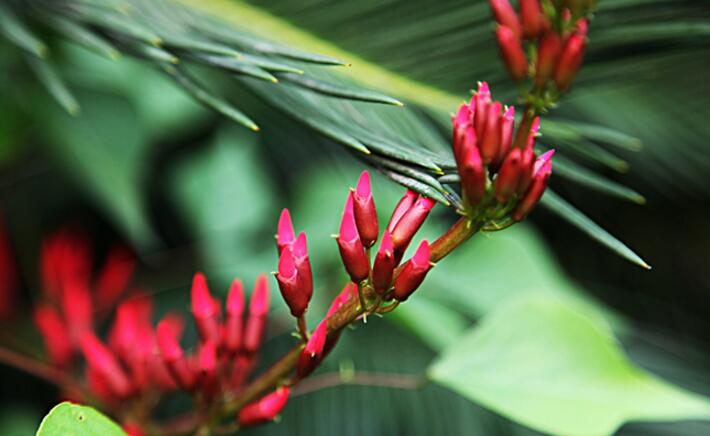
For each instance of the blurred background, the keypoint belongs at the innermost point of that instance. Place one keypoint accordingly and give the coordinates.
(188, 189)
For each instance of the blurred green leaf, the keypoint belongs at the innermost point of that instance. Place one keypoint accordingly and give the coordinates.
(556, 369)
(18, 420)
(73, 419)
(227, 199)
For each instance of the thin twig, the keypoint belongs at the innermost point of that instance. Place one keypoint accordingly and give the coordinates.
(377, 379)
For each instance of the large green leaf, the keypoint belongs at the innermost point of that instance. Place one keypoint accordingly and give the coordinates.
(74, 419)
(556, 369)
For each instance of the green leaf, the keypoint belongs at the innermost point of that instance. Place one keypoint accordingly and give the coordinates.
(73, 419)
(16, 31)
(572, 215)
(55, 86)
(435, 324)
(555, 369)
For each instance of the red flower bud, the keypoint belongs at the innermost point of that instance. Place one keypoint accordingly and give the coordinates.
(258, 309)
(505, 15)
(413, 273)
(349, 291)
(285, 236)
(480, 104)
(548, 53)
(291, 284)
(173, 355)
(490, 142)
(473, 176)
(532, 18)
(352, 251)
(204, 309)
(384, 265)
(570, 61)
(506, 182)
(410, 223)
(243, 366)
(364, 211)
(234, 324)
(303, 264)
(265, 409)
(54, 334)
(78, 309)
(402, 207)
(506, 133)
(114, 276)
(512, 53)
(542, 171)
(312, 354)
(102, 360)
(207, 363)
(527, 158)
(461, 121)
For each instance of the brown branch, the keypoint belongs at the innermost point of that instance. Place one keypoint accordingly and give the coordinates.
(44, 371)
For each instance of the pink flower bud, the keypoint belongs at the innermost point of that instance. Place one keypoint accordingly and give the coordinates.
(569, 61)
(291, 285)
(258, 309)
(413, 273)
(505, 15)
(548, 53)
(511, 51)
(312, 354)
(243, 366)
(204, 309)
(352, 251)
(532, 18)
(480, 104)
(115, 276)
(54, 334)
(384, 265)
(490, 142)
(101, 359)
(364, 211)
(506, 182)
(234, 324)
(265, 409)
(410, 223)
(543, 169)
(173, 356)
(402, 207)
(506, 134)
(473, 176)
(285, 236)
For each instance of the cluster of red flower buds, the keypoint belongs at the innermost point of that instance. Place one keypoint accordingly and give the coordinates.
(557, 30)
(72, 294)
(359, 231)
(496, 175)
